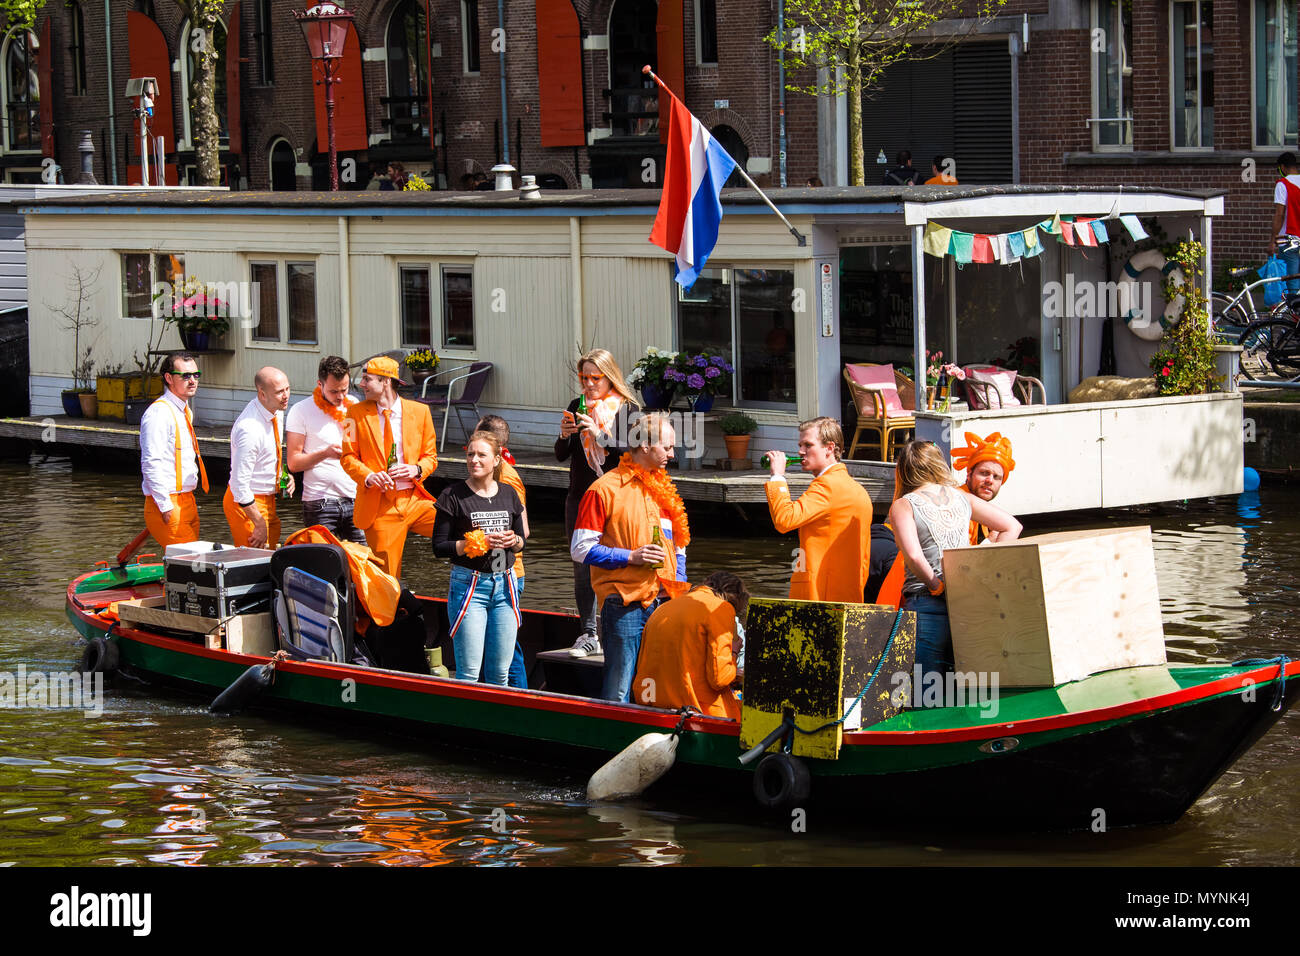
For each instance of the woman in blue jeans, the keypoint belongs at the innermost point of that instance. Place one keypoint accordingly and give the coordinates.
(930, 515)
(479, 526)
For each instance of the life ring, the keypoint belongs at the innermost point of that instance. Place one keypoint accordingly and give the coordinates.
(100, 656)
(781, 782)
(1127, 291)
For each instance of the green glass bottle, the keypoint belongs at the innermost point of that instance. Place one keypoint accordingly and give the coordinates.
(392, 455)
(582, 404)
(656, 537)
(284, 482)
(789, 460)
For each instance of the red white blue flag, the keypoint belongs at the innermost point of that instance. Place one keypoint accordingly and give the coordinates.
(690, 210)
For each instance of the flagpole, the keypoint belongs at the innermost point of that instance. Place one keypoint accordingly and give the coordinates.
(799, 237)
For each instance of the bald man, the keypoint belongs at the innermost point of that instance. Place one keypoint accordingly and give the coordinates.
(257, 464)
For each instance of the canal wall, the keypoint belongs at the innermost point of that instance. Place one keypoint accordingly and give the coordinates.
(1271, 435)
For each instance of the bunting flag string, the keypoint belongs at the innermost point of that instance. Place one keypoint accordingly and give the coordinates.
(1008, 247)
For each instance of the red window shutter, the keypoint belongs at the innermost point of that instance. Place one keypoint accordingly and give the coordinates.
(234, 123)
(349, 101)
(147, 50)
(44, 77)
(671, 35)
(559, 73)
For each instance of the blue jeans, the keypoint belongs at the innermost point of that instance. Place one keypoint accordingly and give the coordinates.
(621, 626)
(334, 514)
(518, 672)
(1291, 257)
(485, 637)
(933, 634)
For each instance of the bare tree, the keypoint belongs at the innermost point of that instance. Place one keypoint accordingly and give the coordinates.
(80, 319)
(203, 17)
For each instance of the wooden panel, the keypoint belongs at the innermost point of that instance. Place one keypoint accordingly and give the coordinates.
(243, 634)
(147, 48)
(627, 304)
(559, 73)
(1053, 608)
(459, 236)
(523, 324)
(349, 101)
(234, 121)
(45, 77)
(670, 47)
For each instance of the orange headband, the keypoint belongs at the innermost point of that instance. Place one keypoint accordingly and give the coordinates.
(993, 448)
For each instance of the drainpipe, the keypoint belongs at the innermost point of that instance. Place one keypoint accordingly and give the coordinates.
(501, 57)
(345, 288)
(780, 81)
(575, 278)
(112, 90)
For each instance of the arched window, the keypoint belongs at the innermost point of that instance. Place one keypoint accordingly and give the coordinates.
(188, 40)
(634, 102)
(408, 72)
(283, 166)
(730, 140)
(77, 48)
(22, 92)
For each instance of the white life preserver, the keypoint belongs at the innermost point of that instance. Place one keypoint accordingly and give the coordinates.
(1127, 290)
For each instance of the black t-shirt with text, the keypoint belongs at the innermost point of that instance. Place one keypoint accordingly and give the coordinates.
(460, 510)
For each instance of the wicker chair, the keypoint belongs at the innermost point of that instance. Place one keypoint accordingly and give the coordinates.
(883, 407)
(989, 394)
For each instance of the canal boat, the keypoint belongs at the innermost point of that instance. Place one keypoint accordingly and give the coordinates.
(1122, 748)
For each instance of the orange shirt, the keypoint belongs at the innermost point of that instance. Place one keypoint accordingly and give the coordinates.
(834, 520)
(511, 478)
(687, 651)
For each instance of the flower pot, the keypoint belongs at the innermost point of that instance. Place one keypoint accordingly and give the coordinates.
(737, 446)
(701, 402)
(89, 404)
(655, 397)
(71, 403)
(196, 341)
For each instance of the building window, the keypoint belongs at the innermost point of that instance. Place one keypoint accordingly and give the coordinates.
(416, 326)
(141, 271)
(469, 34)
(457, 307)
(706, 32)
(408, 73)
(1192, 59)
(1274, 54)
(265, 46)
(22, 92)
(284, 297)
(77, 49)
(1112, 72)
(188, 91)
(746, 316)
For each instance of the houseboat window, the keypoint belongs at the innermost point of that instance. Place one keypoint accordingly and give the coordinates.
(415, 306)
(745, 315)
(1112, 71)
(1192, 61)
(1275, 73)
(141, 271)
(302, 301)
(267, 297)
(457, 308)
(469, 34)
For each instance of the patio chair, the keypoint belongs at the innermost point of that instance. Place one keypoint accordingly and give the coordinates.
(988, 386)
(881, 396)
(475, 377)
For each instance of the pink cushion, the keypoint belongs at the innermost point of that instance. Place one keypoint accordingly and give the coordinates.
(879, 378)
(1003, 378)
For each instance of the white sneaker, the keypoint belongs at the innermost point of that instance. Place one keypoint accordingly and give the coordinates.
(585, 645)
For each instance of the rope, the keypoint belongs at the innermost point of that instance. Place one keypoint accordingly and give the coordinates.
(687, 713)
(898, 619)
(1281, 661)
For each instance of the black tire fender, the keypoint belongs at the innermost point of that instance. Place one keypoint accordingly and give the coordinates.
(100, 656)
(781, 782)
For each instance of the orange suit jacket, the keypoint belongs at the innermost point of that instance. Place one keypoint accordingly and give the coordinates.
(833, 517)
(363, 454)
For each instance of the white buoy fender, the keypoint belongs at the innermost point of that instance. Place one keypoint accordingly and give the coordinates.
(638, 765)
(1145, 327)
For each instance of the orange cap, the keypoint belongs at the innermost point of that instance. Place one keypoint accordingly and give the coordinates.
(993, 448)
(385, 366)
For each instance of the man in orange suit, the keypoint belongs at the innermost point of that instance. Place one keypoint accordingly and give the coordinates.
(388, 449)
(833, 517)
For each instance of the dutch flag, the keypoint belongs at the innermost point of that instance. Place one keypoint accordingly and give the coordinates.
(690, 210)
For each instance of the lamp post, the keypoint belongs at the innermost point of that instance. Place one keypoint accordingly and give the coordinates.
(325, 28)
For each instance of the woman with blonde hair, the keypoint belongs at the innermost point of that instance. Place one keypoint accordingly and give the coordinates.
(930, 515)
(592, 432)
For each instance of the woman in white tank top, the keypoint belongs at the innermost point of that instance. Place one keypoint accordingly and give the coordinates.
(929, 515)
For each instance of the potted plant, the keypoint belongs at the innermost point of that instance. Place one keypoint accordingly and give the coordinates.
(423, 365)
(703, 377)
(737, 427)
(198, 313)
(656, 377)
(1185, 362)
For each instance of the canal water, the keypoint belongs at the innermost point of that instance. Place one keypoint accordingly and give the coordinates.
(156, 779)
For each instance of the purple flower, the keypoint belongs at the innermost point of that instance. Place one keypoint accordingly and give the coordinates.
(711, 372)
(717, 360)
(701, 361)
(695, 381)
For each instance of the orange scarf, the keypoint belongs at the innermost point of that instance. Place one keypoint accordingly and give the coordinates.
(602, 412)
(333, 411)
(665, 495)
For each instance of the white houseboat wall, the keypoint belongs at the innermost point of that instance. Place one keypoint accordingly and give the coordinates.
(484, 277)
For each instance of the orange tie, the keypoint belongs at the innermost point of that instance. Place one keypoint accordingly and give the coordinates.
(279, 462)
(203, 472)
(388, 434)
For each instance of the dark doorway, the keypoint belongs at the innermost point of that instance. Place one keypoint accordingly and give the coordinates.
(283, 163)
(730, 140)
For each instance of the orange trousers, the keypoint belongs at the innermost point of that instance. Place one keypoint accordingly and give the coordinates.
(181, 525)
(399, 512)
(241, 527)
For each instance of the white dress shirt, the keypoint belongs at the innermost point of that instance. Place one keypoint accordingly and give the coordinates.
(158, 430)
(253, 453)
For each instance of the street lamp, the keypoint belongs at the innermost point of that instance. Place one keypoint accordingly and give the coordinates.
(325, 28)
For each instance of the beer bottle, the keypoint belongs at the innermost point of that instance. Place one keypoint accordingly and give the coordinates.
(284, 481)
(656, 537)
(582, 404)
(392, 454)
(789, 460)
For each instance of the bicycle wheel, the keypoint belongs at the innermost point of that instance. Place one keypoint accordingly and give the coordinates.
(1270, 350)
(1228, 318)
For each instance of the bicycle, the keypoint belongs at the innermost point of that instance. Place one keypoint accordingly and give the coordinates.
(1230, 315)
(1270, 348)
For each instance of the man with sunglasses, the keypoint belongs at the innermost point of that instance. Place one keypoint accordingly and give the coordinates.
(169, 456)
